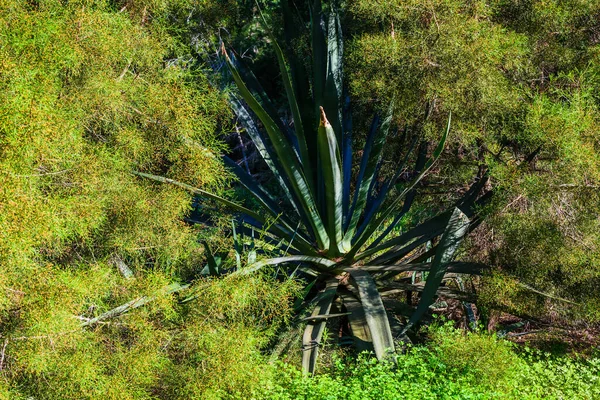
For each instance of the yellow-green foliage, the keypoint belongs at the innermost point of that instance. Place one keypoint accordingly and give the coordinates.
(87, 97)
(215, 353)
(206, 349)
(490, 360)
(521, 81)
(89, 93)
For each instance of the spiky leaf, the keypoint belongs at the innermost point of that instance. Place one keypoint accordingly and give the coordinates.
(456, 229)
(311, 339)
(377, 319)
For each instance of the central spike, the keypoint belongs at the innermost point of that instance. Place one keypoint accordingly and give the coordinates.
(324, 121)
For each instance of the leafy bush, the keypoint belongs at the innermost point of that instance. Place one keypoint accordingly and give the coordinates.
(87, 97)
(210, 349)
(521, 79)
(89, 94)
(454, 365)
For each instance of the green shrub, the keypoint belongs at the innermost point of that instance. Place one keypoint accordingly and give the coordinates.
(206, 349)
(453, 365)
(488, 360)
(521, 80)
(88, 95)
(327, 225)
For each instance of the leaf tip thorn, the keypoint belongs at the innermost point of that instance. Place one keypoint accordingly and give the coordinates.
(324, 121)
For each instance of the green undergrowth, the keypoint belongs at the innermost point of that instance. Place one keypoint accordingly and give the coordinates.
(451, 365)
(212, 351)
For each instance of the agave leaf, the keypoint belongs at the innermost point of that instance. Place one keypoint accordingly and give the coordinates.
(374, 225)
(293, 334)
(455, 267)
(319, 49)
(394, 255)
(255, 190)
(295, 30)
(298, 124)
(467, 306)
(368, 167)
(136, 303)
(203, 193)
(318, 263)
(468, 200)
(276, 229)
(360, 184)
(346, 160)
(410, 197)
(258, 93)
(268, 155)
(468, 204)
(252, 248)
(333, 97)
(408, 201)
(213, 265)
(475, 222)
(548, 295)
(324, 316)
(377, 320)
(396, 307)
(374, 203)
(361, 334)
(332, 178)
(237, 246)
(261, 196)
(271, 238)
(430, 228)
(390, 288)
(259, 141)
(455, 231)
(517, 325)
(122, 267)
(291, 166)
(298, 302)
(311, 339)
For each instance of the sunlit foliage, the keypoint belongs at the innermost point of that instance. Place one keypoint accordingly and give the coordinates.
(90, 91)
(521, 79)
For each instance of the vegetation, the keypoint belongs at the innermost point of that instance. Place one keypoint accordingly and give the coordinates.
(113, 286)
(89, 94)
(454, 365)
(521, 79)
(328, 231)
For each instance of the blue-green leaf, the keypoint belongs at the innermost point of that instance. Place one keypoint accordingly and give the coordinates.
(456, 229)
(375, 313)
(311, 339)
(331, 169)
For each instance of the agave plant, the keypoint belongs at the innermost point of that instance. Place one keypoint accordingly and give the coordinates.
(333, 225)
